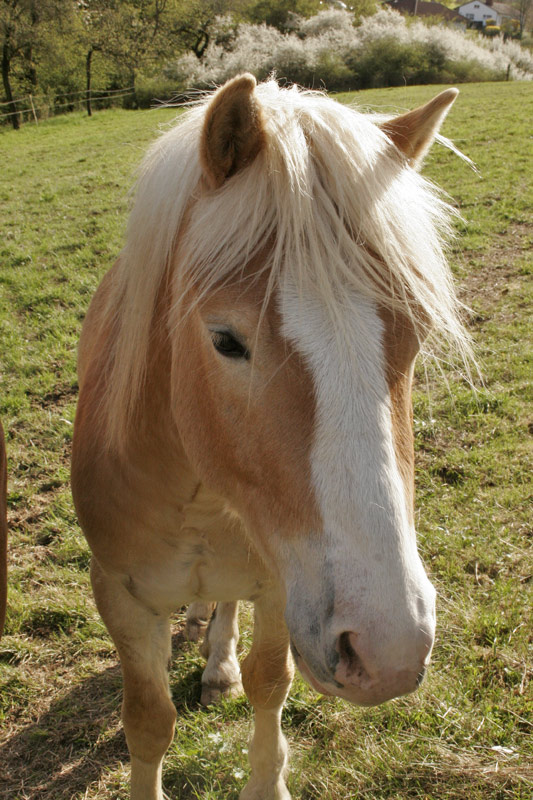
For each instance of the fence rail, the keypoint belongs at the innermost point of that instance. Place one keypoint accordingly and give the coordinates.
(32, 109)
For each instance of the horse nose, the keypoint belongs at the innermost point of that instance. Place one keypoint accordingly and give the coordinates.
(359, 668)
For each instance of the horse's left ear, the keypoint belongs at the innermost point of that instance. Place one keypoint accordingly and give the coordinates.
(233, 132)
(413, 133)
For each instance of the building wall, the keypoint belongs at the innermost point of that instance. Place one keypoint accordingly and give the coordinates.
(476, 11)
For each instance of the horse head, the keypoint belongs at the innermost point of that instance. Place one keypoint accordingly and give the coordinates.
(294, 367)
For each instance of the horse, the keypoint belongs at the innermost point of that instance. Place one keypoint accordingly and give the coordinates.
(3, 530)
(244, 424)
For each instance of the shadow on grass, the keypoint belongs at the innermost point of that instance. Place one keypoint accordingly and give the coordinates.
(78, 738)
(69, 746)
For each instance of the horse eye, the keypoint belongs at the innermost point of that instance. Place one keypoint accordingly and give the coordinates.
(227, 345)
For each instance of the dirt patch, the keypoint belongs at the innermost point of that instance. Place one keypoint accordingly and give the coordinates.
(488, 280)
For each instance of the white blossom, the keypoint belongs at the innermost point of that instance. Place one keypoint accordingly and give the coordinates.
(330, 35)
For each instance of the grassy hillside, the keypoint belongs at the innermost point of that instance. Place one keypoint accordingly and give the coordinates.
(467, 732)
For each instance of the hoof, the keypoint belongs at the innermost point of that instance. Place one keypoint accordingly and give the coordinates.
(195, 629)
(212, 692)
(255, 791)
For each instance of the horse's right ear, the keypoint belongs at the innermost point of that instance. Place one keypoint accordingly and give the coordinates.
(233, 132)
(414, 132)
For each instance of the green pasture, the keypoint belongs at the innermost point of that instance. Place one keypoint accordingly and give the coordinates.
(467, 733)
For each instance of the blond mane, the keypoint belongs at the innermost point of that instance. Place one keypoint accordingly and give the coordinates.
(342, 210)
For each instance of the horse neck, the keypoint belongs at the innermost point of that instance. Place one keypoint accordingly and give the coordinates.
(154, 441)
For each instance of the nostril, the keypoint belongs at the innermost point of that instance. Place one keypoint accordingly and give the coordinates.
(349, 659)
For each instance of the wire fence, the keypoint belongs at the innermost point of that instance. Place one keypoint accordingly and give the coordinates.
(32, 108)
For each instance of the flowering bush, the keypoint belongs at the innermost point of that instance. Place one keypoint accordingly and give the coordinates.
(328, 50)
(332, 21)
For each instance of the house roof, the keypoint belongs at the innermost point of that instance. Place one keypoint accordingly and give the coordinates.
(423, 8)
(488, 6)
(505, 10)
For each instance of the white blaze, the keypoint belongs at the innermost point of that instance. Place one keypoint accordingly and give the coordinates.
(368, 546)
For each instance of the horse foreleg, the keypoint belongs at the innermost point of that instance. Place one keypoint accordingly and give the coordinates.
(197, 620)
(222, 674)
(267, 673)
(142, 638)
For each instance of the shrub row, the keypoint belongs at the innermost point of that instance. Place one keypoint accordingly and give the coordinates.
(329, 51)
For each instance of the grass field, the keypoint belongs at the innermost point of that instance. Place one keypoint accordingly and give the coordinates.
(467, 732)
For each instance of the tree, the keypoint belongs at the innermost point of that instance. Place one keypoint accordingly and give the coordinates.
(194, 22)
(524, 9)
(277, 12)
(98, 21)
(21, 24)
(128, 33)
(142, 34)
(9, 30)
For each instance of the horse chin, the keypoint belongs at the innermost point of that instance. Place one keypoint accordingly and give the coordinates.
(370, 695)
(311, 680)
